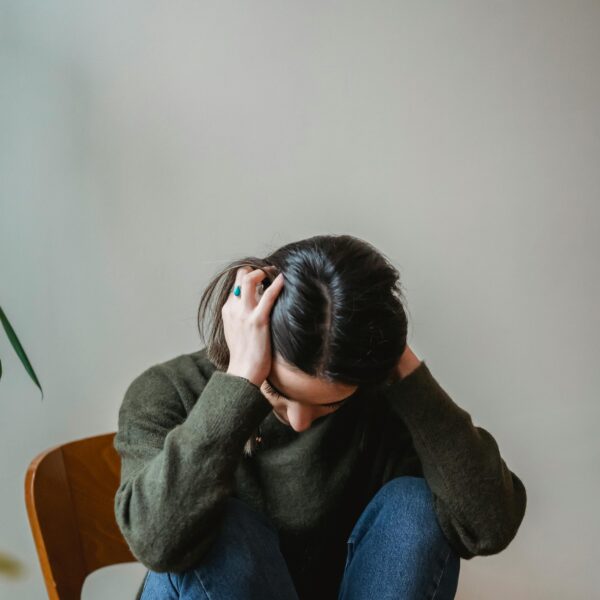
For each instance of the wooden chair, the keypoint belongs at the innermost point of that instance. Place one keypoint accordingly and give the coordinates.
(69, 493)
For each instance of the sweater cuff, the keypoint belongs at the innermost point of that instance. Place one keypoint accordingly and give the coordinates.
(229, 406)
(422, 403)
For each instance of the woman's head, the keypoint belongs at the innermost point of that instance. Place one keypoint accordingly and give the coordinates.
(299, 399)
(339, 317)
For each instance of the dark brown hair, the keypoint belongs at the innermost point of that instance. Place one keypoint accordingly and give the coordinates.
(340, 315)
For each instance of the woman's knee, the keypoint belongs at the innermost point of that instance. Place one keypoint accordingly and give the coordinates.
(397, 548)
(405, 505)
(245, 548)
(240, 516)
(244, 534)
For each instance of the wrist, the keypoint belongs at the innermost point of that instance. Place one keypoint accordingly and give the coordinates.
(408, 362)
(245, 375)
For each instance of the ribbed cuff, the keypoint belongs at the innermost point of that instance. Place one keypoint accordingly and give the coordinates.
(229, 406)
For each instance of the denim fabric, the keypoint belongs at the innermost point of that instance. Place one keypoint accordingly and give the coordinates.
(396, 551)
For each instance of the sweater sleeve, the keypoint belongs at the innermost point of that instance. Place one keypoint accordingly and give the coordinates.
(177, 470)
(479, 502)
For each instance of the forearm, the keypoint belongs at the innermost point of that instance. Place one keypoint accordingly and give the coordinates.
(480, 502)
(177, 473)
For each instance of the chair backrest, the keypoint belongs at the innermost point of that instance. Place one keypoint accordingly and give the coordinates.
(69, 493)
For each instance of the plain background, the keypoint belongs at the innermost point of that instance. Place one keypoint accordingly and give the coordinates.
(145, 144)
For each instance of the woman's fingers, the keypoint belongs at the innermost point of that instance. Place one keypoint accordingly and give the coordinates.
(249, 279)
(269, 296)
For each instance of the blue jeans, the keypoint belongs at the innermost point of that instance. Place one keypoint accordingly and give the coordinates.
(396, 551)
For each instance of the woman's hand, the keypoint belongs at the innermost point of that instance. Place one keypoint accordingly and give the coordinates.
(407, 364)
(247, 325)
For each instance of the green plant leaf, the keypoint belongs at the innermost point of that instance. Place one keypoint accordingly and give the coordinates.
(14, 340)
(11, 566)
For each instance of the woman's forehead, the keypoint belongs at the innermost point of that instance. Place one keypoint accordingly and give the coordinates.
(299, 386)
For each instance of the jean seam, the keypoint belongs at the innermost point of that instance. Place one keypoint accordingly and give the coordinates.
(350, 548)
(145, 584)
(349, 556)
(437, 585)
(201, 584)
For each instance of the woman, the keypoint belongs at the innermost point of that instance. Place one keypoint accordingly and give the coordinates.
(305, 451)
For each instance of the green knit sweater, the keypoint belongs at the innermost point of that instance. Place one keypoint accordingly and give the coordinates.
(182, 427)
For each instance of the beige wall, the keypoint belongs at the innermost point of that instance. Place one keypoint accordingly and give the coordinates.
(142, 145)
